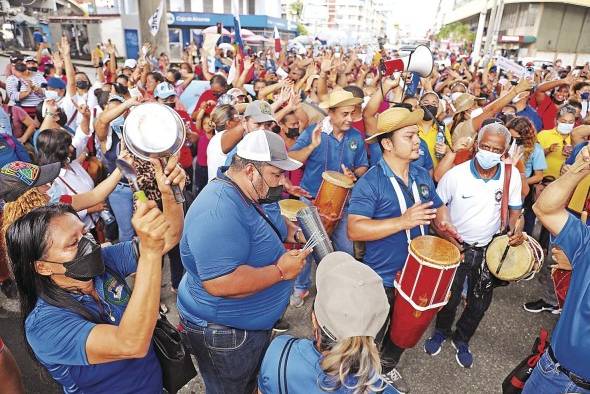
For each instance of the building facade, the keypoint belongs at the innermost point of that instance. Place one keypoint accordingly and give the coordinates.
(532, 30)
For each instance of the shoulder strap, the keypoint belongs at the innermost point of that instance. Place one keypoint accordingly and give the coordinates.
(505, 197)
(282, 370)
(68, 185)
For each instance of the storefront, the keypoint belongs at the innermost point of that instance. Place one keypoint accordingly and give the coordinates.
(187, 27)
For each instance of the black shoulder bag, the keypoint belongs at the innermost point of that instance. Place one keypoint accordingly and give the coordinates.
(175, 360)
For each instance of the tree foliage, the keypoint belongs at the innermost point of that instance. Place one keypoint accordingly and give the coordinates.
(456, 32)
(296, 9)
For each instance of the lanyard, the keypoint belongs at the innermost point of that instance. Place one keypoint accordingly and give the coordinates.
(402, 201)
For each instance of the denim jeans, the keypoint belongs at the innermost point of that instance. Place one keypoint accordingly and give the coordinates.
(547, 379)
(121, 202)
(228, 358)
(476, 306)
(390, 353)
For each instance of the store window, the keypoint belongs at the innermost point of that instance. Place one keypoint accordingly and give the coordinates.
(175, 41)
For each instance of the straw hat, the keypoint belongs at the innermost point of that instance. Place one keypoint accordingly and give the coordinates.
(394, 119)
(340, 98)
(464, 102)
(310, 82)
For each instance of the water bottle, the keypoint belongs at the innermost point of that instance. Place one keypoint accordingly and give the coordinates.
(440, 139)
(107, 216)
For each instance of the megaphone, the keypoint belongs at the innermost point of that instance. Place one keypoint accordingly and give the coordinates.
(419, 61)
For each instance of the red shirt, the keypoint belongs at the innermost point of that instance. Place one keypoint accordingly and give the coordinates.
(202, 148)
(185, 156)
(206, 96)
(547, 111)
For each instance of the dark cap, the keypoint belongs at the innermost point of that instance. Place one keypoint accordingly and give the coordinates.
(18, 176)
(16, 58)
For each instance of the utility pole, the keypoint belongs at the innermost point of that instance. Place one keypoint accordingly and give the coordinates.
(475, 55)
(491, 22)
(497, 24)
(146, 10)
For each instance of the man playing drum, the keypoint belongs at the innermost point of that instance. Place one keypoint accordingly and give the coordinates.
(392, 203)
(332, 145)
(473, 193)
(564, 367)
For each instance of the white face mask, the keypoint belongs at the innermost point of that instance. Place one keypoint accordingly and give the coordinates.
(455, 96)
(476, 112)
(368, 81)
(564, 128)
(52, 95)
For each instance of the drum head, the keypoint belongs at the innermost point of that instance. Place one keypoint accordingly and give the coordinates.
(290, 207)
(517, 264)
(338, 179)
(435, 250)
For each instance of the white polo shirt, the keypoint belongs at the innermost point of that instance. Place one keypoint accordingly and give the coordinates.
(474, 203)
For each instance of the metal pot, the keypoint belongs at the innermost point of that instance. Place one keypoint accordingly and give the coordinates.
(154, 130)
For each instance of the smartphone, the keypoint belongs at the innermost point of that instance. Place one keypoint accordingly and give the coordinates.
(134, 92)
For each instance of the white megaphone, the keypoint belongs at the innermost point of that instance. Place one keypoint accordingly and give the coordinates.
(419, 61)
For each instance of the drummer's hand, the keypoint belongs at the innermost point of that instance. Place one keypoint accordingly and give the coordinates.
(450, 232)
(561, 260)
(292, 262)
(173, 174)
(515, 238)
(346, 171)
(418, 215)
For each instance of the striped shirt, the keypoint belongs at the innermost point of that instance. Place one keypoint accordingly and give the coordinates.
(32, 99)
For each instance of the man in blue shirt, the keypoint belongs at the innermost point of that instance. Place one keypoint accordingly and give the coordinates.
(391, 204)
(521, 102)
(332, 145)
(564, 367)
(238, 274)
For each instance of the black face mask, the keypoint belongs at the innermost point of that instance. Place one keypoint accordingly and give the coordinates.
(274, 192)
(429, 112)
(276, 129)
(84, 85)
(88, 261)
(33, 69)
(171, 105)
(20, 67)
(292, 132)
(121, 90)
(518, 140)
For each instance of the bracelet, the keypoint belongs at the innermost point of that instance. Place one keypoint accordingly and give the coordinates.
(280, 272)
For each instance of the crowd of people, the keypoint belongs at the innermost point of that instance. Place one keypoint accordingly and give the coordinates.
(468, 152)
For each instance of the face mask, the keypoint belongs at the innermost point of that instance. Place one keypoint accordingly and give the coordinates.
(487, 159)
(448, 120)
(171, 105)
(292, 132)
(33, 69)
(476, 112)
(429, 112)
(117, 125)
(20, 67)
(274, 192)
(51, 95)
(585, 96)
(121, 90)
(519, 140)
(84, 85)
(88, 261)
(564, 128)
(63, 119)
(369, 81)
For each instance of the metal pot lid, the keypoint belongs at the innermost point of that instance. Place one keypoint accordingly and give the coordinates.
(153, 130)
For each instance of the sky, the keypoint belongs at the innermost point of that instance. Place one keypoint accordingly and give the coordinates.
(414, 17)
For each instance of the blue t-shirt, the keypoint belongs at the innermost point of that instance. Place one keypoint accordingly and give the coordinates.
(424, 160)
(536, 161)
(330, 155)
(303, 373)
(222, 231)
(58, 337)
(572, 158)
(373, 196)
(11, 150)
(5, 124)
(571, 337)
(530, 113)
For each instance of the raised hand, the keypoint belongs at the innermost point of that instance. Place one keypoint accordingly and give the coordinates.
(420, 214)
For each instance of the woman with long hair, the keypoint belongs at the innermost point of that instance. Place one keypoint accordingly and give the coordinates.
(350, 309)
(79, 320)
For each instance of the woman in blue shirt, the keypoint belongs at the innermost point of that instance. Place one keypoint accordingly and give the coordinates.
(349, 310)
(80, 322)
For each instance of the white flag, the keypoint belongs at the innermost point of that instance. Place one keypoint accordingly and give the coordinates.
(154, 20)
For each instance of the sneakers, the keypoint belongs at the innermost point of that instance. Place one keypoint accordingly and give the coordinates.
(281, 326)
(540, 306)
(395, 379)
(297, 299)
(433, 344)
(463, 356)
(8, 287)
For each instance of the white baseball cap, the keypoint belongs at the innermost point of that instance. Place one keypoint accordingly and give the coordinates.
(130, 63)
(268, 147)
(351, 300)
(164, 90)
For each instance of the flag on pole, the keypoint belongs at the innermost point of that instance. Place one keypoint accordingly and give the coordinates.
(277, 40)
(154, 20)
(238, 34)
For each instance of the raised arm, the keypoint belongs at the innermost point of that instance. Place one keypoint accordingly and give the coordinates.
(64, 49)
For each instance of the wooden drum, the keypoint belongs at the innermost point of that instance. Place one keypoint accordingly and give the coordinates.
(422, 288)
(332, 197)
(521, 262)
(290, 207)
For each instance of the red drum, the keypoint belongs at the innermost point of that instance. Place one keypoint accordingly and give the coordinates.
(422, 288)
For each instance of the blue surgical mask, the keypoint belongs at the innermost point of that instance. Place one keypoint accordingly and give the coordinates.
(487, 159)
(117, 125)
(585, 95)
